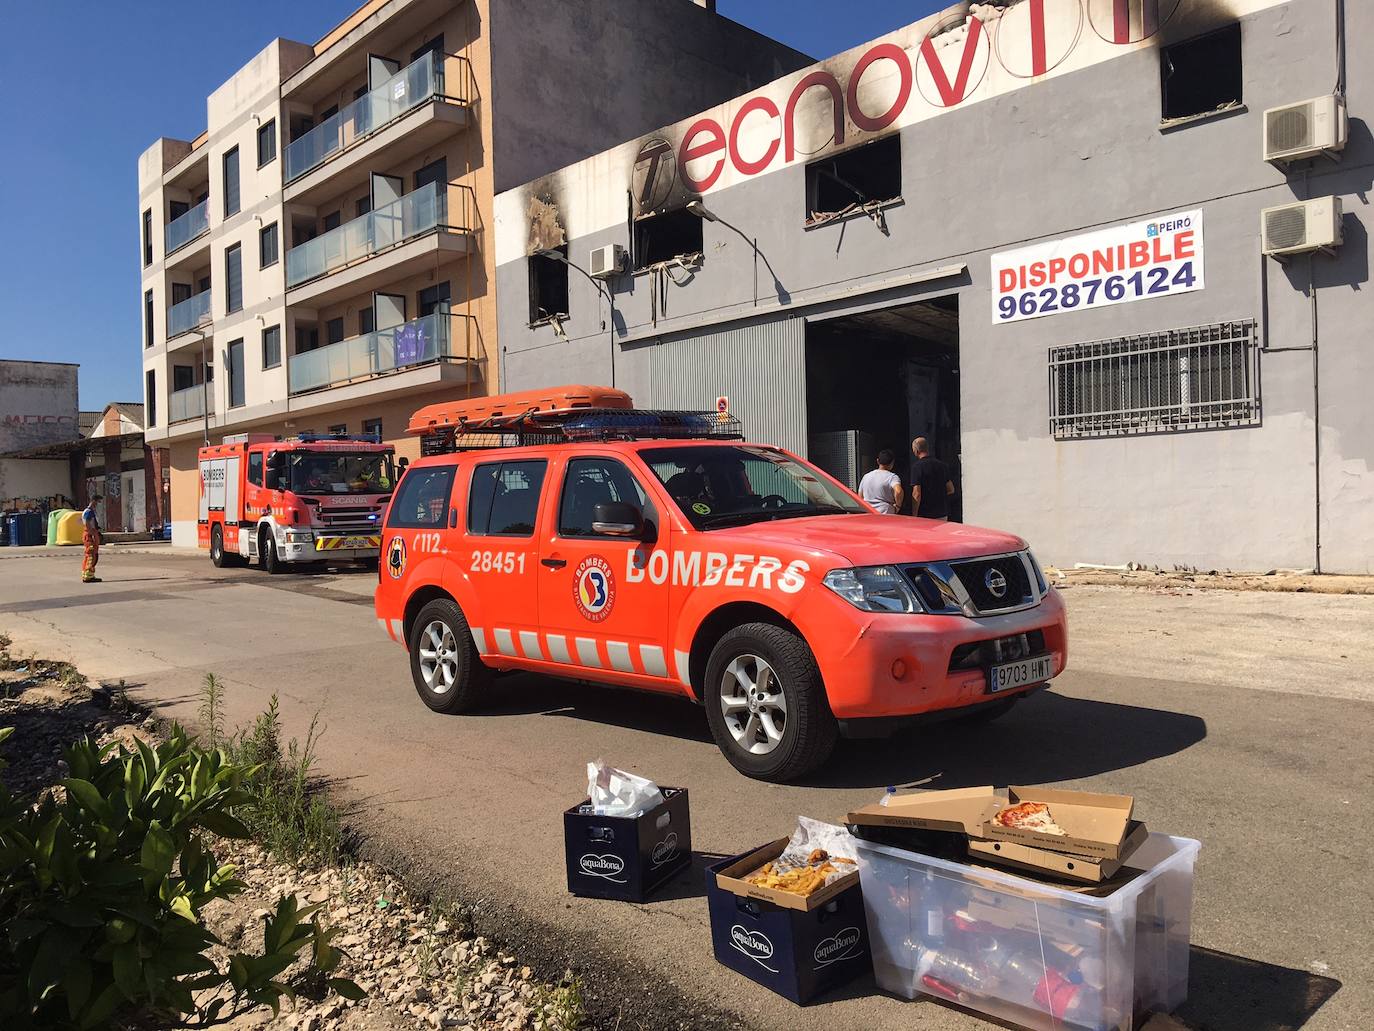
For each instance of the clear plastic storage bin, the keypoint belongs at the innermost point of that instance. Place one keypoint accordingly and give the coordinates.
(1034, 954)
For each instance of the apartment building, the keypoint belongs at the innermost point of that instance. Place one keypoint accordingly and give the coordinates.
(318, 259)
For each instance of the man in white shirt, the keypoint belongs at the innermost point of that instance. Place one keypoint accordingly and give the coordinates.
(881, 487)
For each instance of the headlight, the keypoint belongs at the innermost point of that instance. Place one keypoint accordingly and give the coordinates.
(299, 536)
(873, 589)
(1042, 588)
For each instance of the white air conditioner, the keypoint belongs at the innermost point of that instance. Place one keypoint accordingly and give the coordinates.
(607, 261)
(1309, 225)
(1298, 131)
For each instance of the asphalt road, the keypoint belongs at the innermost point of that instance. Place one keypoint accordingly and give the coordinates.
(1243, 720)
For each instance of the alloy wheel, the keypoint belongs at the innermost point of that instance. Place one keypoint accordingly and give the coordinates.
(753, 704)
(438, 657)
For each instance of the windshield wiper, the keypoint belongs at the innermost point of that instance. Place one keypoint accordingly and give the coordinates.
(768, 515)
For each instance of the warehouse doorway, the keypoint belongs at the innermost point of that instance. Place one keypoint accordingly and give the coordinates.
(878, 379)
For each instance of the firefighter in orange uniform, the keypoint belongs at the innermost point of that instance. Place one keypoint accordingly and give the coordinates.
(90, 538)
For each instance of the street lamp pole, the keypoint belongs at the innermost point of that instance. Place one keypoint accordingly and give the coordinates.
(558, 255)
(696, 207)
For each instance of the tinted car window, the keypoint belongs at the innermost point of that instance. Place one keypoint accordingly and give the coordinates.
(504, 498)
(422, 499)
(594, 481)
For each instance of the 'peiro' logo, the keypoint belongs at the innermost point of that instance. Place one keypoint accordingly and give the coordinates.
(753, 944)
(665, 851)
(844, 945)
(608, 866)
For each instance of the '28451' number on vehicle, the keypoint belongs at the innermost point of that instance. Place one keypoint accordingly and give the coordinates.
(498, 562)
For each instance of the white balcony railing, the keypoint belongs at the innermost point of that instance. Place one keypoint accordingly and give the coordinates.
(188, 314)
(190, 403)
(188, 226)
(406, 89)
(440, 336)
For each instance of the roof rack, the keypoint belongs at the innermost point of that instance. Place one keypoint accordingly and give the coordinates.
(489, 411)
(580, 424)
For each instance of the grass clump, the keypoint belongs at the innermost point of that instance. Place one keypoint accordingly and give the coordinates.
(288, 814)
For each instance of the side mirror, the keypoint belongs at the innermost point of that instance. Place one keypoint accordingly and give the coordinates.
(617, 519)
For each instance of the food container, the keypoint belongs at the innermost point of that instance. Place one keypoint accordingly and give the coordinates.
(627, 857)
(1040, 956)
(796, 946)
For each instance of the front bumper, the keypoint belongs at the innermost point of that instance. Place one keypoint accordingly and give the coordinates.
(899, 665)
(355, 547)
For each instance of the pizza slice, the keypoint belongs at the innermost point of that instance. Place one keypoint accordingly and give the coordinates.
(1029, 816)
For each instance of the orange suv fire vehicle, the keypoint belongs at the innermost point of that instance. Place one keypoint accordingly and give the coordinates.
(568, 533)
(309, 499)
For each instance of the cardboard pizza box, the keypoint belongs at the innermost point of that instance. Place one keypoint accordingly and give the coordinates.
(960, 811)
(1084, 869)
(1095, 825)
(730, 878)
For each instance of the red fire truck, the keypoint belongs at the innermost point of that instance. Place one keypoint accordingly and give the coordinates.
(310, 499)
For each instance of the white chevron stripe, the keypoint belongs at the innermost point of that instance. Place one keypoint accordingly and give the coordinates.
(386, 627)
(480, 640)
(652, 657)
(398, 630)
(529, 644)
(505, 643)
(619, 653)
(682, 660)
(586, 652)
(558, 649)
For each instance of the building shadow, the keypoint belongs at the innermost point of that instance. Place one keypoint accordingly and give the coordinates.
(1232, 993)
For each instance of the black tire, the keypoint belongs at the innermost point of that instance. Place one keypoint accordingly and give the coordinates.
(460, 671)
(221, 558)
(267, 555)
(370, 564)
(809, 729)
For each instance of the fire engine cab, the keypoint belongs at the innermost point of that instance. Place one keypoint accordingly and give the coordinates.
(570, 534)
(308, 499)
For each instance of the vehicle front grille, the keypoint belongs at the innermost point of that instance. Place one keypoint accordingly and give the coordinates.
(982, 578)
(978, 654)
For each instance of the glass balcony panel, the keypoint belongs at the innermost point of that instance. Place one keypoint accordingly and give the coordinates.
(413, 214)
(188, 314)
(188, 226)
(412, 343)
(190, 403)
(410, 86)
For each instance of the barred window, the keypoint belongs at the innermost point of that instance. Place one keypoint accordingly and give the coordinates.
(1202, 377)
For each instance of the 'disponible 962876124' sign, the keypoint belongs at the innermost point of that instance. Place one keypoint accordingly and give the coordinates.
(1154, 258)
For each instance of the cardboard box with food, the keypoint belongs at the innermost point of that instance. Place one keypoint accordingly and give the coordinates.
(790, 914)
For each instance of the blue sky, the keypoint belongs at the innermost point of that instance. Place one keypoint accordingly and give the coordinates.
(84, 104)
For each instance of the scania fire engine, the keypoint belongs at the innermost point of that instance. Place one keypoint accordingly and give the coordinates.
(308, 499)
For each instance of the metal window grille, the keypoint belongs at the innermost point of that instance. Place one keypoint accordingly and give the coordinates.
(1202, 377)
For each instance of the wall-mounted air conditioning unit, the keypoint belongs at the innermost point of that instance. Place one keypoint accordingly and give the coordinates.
(607, 261)
(1309, 225)
(1297, 131)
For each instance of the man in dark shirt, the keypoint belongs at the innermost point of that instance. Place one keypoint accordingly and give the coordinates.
(931, 487)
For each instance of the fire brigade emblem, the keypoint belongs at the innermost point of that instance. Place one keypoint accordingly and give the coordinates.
(594, 588)
(396, 557)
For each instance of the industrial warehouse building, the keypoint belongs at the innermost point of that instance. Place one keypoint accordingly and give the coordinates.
(1038, 233)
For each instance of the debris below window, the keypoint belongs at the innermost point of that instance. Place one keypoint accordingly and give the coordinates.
(1201, 76)
(668, 236)
(549, 286)
(864, 179)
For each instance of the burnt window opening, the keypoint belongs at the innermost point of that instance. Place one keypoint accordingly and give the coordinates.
(1201, 75)
(548, 286)
(867, 175)
(672, 234)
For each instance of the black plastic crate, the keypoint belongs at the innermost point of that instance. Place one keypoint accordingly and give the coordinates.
(627, 857)
(797, 953)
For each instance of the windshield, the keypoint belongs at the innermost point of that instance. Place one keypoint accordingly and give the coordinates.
(732, 485)
(337, 472)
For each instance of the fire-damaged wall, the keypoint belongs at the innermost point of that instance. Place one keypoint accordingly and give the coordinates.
(37, 404)
(1014, 126)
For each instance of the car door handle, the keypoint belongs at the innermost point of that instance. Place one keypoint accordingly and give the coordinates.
(553, 563)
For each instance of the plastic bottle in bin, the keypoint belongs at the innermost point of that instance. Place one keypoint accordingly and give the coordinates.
(1026, 978)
